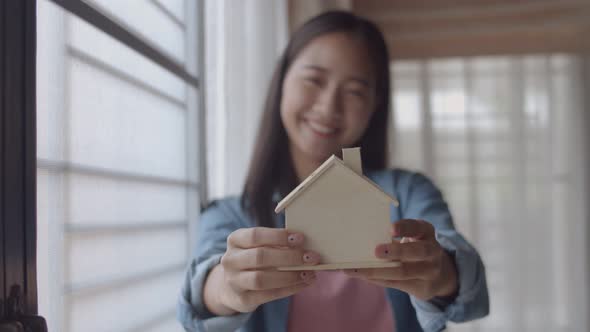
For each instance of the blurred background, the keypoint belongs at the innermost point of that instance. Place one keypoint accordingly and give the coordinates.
(491, 99)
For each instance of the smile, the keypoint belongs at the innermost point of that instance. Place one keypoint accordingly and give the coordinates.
(321, 129)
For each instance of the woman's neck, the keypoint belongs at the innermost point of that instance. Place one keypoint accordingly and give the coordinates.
(303, 165)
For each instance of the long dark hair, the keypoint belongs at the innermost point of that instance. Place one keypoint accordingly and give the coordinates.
(271, 168)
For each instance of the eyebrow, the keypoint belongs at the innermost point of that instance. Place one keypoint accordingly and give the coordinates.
(322, 69)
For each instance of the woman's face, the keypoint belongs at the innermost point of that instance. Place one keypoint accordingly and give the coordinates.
(328, 96)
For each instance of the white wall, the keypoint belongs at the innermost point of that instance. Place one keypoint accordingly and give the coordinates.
(243, 42)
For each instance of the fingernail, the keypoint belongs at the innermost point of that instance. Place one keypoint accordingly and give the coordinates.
(310, 257)
(352, 272)
(382, 251)
(295, 238)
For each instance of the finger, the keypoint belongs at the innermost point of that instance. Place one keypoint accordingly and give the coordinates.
(407, 271)
(419, 229)
(266, 257)
(262, 280)
(263, 236)
(268, 295)
(408, 251)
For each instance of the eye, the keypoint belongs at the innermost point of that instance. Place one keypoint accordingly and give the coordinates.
(357, 93)
(313, 80)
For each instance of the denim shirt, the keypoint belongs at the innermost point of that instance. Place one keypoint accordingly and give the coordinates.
(418, 198)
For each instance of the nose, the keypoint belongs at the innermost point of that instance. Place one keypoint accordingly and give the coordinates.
(329, 102)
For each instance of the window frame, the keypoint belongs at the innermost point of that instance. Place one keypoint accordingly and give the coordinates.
(18, 153)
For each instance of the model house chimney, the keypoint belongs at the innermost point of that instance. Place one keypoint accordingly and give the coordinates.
(352, 159)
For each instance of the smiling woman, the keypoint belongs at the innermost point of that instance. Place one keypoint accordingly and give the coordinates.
(330, 91)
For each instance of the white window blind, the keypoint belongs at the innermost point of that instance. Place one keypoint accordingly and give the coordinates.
(118, 184)
(504, 138)
(244, 40)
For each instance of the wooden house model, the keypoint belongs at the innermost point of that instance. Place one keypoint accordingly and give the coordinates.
(343, 215)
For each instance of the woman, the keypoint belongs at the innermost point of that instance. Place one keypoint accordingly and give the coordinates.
(329, 91)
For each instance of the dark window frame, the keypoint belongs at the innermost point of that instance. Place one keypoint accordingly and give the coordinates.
(18, 284)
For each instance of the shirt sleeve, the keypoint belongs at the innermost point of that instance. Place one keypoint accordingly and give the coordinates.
(214, 227)
(424, 201)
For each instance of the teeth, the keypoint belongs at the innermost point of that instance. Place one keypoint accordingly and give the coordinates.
(321, 128)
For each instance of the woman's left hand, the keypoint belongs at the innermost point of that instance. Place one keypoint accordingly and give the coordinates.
(426, 270)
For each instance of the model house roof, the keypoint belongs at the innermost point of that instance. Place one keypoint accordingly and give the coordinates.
(354, 168)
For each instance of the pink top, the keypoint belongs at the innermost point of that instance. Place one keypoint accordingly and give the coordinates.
(337, 302)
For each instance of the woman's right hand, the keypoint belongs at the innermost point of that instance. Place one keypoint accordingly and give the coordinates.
(249, 267)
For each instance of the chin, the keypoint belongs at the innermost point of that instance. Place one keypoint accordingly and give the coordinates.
(319, 153)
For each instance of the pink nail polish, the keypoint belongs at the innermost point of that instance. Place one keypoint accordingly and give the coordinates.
(352, 272)
(308, 257)
(307, 276)
(382, 251)
(294, 238)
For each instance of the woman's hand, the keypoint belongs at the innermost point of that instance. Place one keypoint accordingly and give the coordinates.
(426, 271)
(249, 267)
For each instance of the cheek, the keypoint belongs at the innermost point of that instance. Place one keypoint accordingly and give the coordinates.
(294, 102)
(287, 114)
(289, 110)
(357, 121)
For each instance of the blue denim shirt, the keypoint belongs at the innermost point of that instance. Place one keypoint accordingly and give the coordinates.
(419, 199)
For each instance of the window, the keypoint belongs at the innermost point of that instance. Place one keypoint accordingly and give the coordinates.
(118, 174)
(504, 138)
